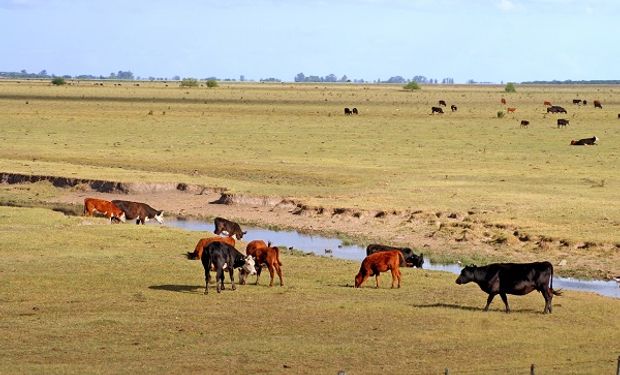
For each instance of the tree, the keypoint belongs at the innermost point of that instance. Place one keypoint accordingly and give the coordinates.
(58, 81)
(211, 83)
(413, 85)
(510, 87)
(189, 82)
(300, 78)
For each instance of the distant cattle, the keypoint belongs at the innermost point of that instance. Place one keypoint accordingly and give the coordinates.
(354, 111)
(597, 104)
(585, 102)
(230, 228)
(547, 103)
(511, 110)
(203, 242)
(512, 278)
(268, 255)
(409, 258)
(563, 122)
(585, 141)
(347, 111)
(453, 108)
(142, 212)
(556, 109)
(618, 115)
(503, 101)
(106, 208)
(376, 263)
(442, 102)
(524, 123)
(577, 101)
(223, 257)
(436, 110)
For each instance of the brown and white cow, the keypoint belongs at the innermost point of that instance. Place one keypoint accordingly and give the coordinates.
(264, 254)
(376, 263)
(203, 242)
(106, 208)
(230, 228)
(142, 212)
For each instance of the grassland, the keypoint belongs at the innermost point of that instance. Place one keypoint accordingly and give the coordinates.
(82, 296)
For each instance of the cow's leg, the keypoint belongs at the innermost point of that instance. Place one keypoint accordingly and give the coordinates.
(231, 272)
(394, 276)
(258, 271)
(207, 279)
(548, 297)
(271, 273)
(377, 280)
(219, 279)
(279, 271)
(398, 275)
(489, 300)
(505, 299)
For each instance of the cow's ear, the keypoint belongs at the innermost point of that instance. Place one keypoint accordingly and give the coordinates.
(245, 232)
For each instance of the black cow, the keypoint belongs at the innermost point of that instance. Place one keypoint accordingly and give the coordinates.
(142, 212)
(442, 102)
(562, 122)
(618, 115)
(585, 102)
(222, 257)
(354, 111)
(410, 259)
(585, 142)
(231, 228)
(556, 109)
(524, 123)
(597, 104)
(577, 101)
(347, 111)
(453, 108)
(512, 278)
(436, 109)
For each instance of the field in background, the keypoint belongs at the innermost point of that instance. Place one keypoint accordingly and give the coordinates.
(293, 140)
(83, 296)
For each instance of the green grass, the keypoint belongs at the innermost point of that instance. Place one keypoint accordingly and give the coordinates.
(82, 296)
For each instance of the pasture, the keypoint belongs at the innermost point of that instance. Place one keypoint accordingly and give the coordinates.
(81, 296)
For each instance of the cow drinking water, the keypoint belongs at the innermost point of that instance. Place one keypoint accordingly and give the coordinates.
(230, 228)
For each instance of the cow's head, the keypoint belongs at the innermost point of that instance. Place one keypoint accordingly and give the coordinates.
(467, 275)
(358, 279)
(122, 217)
(415, 260)
(159, 217)
(249, 266)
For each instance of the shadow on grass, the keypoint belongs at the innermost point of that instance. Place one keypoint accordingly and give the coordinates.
(179, 288)
(471, 308)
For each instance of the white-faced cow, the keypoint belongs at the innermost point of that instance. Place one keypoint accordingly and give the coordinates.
(436, 110)
(453, 108)
(223, 257)
(585, 142)
(142, 212)
(409, 258)
(512, 278)
(230, 228)
(347, 111)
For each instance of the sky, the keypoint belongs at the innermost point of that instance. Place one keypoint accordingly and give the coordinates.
(480, 40)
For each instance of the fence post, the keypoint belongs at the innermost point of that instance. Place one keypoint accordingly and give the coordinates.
(532, 369)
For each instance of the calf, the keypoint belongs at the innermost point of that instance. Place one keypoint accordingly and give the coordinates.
(436, 110)
(347, 111)
(409, 258)
(222, 257)
(203, 242)
(577, 101)
(453, 108)
(585, 142)
(231, 228)
(524, 123)
(511, 110)
(585, 102)
(106, 208)
(442, 102)
(379, 262)
(597, 104)
(562, 122)
(512, 278)
(503, 101)
(142, 212)
(265, 254)
(547, 103)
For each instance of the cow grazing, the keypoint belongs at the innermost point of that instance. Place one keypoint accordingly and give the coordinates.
(106, 208)
(577, 101)
(511, 110)
(556, 109)
(347, 111)
(618, 115)
(547, 103)
(585, 102)
(265, 254)
(512, 278)
(524, 124)
(585, 142)
(436, 110)
(203, 242)
(231, 228)
(597, 104)
(563, 122)
(379, 262)
(409, 258)
(503, 101)
(142, 212)
(223, 257)
(453, 108)
(354, 111)
(442, 102)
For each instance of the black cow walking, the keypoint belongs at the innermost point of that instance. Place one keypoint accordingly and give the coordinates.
(436, 110)
(442, 102)
(347, 111)
(222, 257)
(142, 212)
(354, 111)
(556, 109)
(512, 278)
(410, 259)
(562, 122)
(230, 228)
(524, 123)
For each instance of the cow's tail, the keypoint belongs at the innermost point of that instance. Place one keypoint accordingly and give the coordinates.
(402, 258)
(278, 255)
(555, 292)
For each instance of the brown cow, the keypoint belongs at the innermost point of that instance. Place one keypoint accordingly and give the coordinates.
(503, 101)
(106, 208)
(511, 110)
(376, 263)
(597, 104)
(547, 103)
(264, 254)
(203, 242)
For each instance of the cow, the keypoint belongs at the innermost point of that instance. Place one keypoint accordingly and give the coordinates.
(106, 208)
(503, 101)
(585, 102)
(142, 212)
(512, 278)
(231, 228)
(547, 103)
(409, 258)
(511, 110)
(556, 109)
(442, 102)
(577, 101)
(436, 110)
(354, 111)
(563, 122)
(585, 142)
(203, 242)
(347, 111)
(619, 115)
(222, 257)
(265, 254)
(379, 262)
(524, 123)
(453, 108)
(597, 104)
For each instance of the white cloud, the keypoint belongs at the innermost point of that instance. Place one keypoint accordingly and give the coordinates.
(506, 5)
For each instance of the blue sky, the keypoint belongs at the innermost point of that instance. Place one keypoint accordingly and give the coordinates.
(483, 40)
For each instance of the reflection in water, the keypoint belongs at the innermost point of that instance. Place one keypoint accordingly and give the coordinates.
(318, 244)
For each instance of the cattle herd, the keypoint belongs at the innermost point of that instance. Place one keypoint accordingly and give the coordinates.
(218, 253)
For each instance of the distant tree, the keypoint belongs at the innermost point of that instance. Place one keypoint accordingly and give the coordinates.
(176, 78)
(124, 75)
(300, 78)
(58, 81)
(413, 85)
(344, 78)
(420, 79)
(396, 79)
(510, 87)
(43, 73)
(330, 78)
(211, 83)
(189, 82)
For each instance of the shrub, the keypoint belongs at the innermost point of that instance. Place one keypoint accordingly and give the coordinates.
(58, 81)
(500, 114)
(189, 82)
(510, 87)
(413, 85)
(211, 83)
